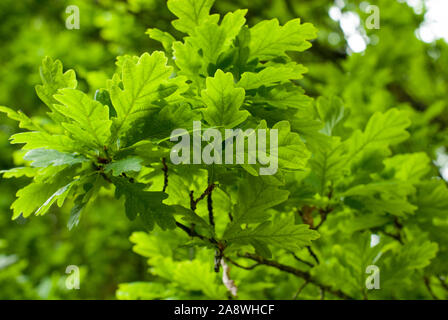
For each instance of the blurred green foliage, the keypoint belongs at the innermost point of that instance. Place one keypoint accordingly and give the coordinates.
(397, 70)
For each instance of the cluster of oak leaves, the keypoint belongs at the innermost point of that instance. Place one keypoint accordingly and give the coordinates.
(311, 222)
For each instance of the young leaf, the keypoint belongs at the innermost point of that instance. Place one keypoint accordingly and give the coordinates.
(53, 79)
(38, 196)
(24, 121)
(382, 130)
(164, 38)
(269, 40)
(212, 40)
(328, 163)
(191, 13)
(144, 83)
(223, 101)
(90, 119)
(271, 76)
(284, 97)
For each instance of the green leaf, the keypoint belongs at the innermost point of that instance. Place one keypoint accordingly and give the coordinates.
(382, 130)
(44, 158)
(364, 222)
(164, 38)
(24, 121)
(19, 172)
(331, 112)
(124, 165)
(409, 167)
(42, 140)
(189, 62)
(53, 79)
(191, 13)
(145, 83)
(143, 291)
(91, 123)
(270, 40)
(383, 197)
(212, 40)
(255, 196)
(89, 188)
(282, 234)
(38, 196)
(223, 101)
(432, 199)
(59, 196)
(199, 223)
(403, 263)
(328, 163)
(147, 205)
(290, 152)
(182, 181)
(283, 97)
(271, 76)
(75, 213)
(389, 187)
(160, 125)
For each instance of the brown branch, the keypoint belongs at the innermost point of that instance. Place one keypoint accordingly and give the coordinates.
(190, 231)
(211, 218)
(301, 260)
(194, 202)
(393, 236)
(306, 213)
(313, 254)
(299, 273)
(165, 174)
(241, 266)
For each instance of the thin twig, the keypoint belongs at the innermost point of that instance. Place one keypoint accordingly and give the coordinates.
(299, 273)
(241, 266)
(393, 236)
(313, 254)
(194, 202)
(192, 233)
(301, 260)
(211, 218)
(300, 290)
(165, 174)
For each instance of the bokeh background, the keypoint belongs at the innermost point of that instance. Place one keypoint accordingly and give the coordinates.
(403, 64)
